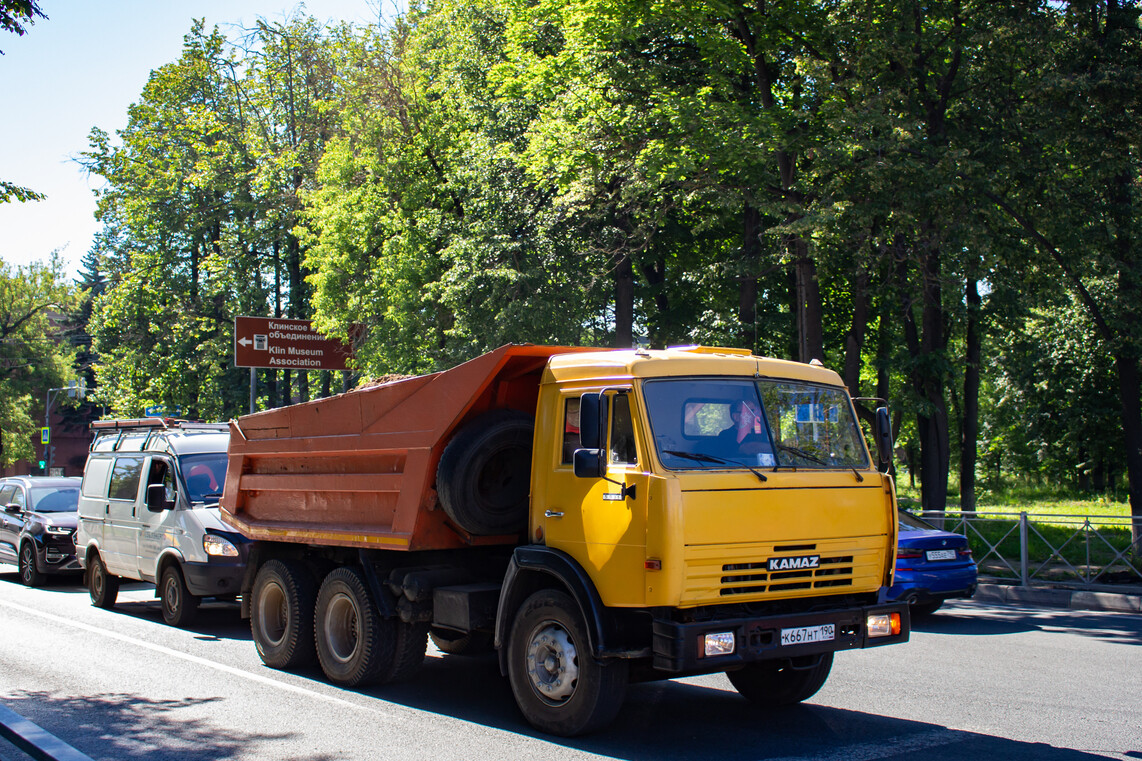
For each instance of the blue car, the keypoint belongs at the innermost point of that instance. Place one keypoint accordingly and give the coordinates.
(931, 566)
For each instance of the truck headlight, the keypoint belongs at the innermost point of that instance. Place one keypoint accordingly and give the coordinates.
(883, 624)
(718, 643)
(219, 546)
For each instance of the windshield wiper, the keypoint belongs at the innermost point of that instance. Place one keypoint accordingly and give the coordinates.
(801, 453)
(698, 457)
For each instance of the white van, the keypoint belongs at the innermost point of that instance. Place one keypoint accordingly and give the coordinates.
(148, 511)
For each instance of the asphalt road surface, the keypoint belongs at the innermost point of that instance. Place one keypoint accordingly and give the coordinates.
(975, 681)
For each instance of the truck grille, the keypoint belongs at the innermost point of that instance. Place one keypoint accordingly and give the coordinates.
(745, 571)
(754, 578)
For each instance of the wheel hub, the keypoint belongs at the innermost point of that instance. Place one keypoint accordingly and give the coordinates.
(341, 618)
(552, 663)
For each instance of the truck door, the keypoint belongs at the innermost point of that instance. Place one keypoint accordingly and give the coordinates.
(599, 523)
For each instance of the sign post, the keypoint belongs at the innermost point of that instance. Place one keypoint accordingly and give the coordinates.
(275, 343)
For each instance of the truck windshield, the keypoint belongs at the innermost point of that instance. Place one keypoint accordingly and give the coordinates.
(719, 423)
(205, 475)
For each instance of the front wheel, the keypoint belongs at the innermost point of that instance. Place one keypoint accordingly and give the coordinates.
(180, 607)
(781, 683)
(558, 684)
(29, 574)
(102, 586)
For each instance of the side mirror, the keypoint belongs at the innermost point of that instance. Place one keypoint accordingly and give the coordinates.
(13, 508)
(157, 498)
(883, 435)
(594, 411)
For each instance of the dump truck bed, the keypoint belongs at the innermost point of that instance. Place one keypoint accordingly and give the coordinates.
(358, 469)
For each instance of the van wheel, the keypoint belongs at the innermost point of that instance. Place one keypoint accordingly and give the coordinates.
(354, 644)
(29, 574)
(180, 607)
(558, 684)
(455, 643)
(281, 614)
(484, 475)
(780, 683)
(102, 586)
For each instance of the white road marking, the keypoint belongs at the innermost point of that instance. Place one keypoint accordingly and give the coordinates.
(191, 658)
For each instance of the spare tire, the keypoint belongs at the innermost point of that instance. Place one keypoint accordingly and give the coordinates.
(484, 476)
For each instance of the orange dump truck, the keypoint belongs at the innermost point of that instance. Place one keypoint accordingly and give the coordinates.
(594, 516)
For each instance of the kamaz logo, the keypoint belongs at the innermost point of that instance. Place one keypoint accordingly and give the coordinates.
(794, 564)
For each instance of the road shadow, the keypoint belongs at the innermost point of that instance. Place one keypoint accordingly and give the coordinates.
(970, 619)
(683, 721)
(216, 620)
(119, 726)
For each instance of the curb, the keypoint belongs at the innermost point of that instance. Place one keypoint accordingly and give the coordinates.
(1061, 597)
(35, 741)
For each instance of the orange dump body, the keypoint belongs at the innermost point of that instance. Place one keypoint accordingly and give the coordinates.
(358, 469)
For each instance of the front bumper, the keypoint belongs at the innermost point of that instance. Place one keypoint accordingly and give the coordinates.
(218, 578)
(678, 647)
(57, 555)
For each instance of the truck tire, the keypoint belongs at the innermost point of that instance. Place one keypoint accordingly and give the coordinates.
(281, 614)
(484, 474)
(409, 644)
(29, 574)
(354, 643)
(102, 586)
(558, 685)
(778, 683)
(180, 607)
(456, 643)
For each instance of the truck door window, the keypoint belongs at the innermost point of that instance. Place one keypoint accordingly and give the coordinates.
(125, 478)
(571, 440)
(622, 432)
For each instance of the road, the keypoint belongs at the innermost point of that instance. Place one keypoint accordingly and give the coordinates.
(976, 681)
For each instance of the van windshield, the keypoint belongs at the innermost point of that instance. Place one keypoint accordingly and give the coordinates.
(204, 475)
(719, 423)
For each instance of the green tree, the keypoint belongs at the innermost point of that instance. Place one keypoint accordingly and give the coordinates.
(34, 356)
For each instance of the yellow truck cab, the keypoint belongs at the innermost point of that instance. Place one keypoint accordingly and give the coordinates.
(596, 516)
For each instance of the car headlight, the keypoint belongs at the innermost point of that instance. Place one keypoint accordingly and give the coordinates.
(59, 530)
(883, 624)
(717, 643)
(219, 546)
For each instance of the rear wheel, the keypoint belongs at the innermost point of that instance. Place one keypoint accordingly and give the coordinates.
(180, 607)
(558, 684)
(457, 643)
(781, 683)
(29, 574)
(354, 644)
(410, 642)
(102, 586)
(281, 614)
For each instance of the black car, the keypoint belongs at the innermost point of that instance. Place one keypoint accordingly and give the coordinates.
(38, 531)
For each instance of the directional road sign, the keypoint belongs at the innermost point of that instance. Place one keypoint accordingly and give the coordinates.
(281, 344)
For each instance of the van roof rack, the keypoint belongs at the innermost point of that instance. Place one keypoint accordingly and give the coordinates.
(105, 429)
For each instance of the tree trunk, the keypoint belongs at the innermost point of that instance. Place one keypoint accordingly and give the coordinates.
(747, 287)
(854, 340)
(624, 302)
(810, 334)
(970, 427)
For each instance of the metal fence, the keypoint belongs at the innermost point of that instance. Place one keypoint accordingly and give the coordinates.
(1083, 550)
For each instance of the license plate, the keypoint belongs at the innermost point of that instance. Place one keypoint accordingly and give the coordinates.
(806, 634)
(941, 554)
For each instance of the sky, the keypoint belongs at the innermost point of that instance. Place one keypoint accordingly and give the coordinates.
(81, 68)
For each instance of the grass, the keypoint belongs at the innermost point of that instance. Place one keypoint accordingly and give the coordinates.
(1082, 531)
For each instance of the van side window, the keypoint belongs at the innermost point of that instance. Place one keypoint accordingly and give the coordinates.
(125, 478)
(95, 477)
(622, 432)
